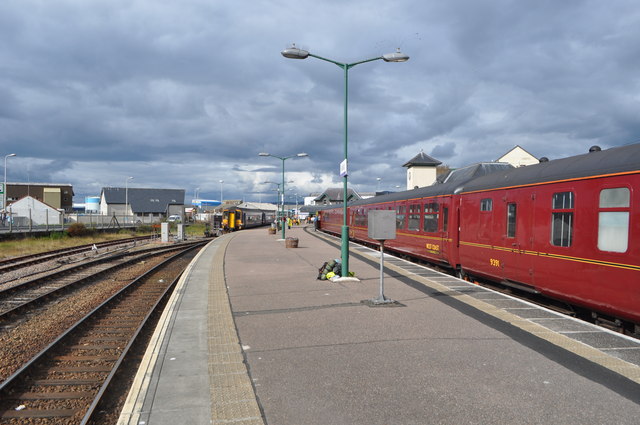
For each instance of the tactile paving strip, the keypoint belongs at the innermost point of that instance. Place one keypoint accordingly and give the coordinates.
(233, 399)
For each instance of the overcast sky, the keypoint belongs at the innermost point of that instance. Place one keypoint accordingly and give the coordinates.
(182, 94)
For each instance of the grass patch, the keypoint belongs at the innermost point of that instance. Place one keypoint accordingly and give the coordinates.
(57, 240)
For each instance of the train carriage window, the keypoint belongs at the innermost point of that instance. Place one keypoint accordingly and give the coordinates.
(486, 204)
(613, 220)
(511, 220)
(400, 216)
(445, 218)
(414, 217)
(431, 217)
(562, 219)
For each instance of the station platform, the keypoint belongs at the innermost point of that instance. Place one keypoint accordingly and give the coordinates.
(250, 336)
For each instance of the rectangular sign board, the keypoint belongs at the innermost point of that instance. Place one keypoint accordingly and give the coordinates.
(344, 168)
(382, 224)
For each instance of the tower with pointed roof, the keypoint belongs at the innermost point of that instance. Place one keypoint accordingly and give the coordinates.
(421, 170)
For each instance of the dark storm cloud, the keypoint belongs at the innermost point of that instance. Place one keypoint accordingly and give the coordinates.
(188, 94)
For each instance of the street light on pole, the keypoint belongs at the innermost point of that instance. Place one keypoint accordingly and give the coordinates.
(126, 198)
(283, 159)
(294, 53)
(4, 189)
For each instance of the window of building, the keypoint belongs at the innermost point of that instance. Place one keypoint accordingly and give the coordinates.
(486, 204)
(431, 217)
(414, 217)
(562, 219)
(613, 219)
(511, 220)
(400, 216)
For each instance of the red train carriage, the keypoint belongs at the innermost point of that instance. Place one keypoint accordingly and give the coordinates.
(426, 218)
(567, 228)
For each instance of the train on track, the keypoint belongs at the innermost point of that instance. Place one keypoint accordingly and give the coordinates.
(239, 217)
(567, 229)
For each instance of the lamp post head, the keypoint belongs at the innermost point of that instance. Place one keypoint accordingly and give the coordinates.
(294, 53)
(11, 154)
(397, 56)
(264, 154)
(302, 154)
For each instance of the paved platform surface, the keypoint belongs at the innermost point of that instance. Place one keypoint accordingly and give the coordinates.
(251, 337)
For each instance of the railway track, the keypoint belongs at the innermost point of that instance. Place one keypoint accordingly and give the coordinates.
(13, 263)
(23, 296)
(66, 381)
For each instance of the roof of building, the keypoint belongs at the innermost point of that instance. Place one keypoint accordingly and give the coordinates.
(334, 194)
(144, 201)
(259, 206)
(422, 159)
(38, 184)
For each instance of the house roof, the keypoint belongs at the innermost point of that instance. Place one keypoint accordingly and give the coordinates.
(422, 159)
(334, 194)
(144, 201)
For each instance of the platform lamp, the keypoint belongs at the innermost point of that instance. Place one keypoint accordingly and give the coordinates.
(294, 53)
(283, 159)
(126, 198)
(220, 181)
(4, 189)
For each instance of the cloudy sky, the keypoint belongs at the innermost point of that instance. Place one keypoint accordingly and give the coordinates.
(182, 94)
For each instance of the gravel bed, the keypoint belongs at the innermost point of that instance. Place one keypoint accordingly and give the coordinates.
(14, 277)
(39, 329)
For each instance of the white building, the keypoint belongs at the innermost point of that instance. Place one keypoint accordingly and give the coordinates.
(29, 208)
(518, 157)
(421, 171)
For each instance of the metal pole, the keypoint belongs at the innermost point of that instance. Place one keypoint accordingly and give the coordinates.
(283, 216)
(381, 297)
(345, 227)
(4, 195)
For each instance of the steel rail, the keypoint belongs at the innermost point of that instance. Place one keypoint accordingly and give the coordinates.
(20, 307)
(69, 333)
(13, 263)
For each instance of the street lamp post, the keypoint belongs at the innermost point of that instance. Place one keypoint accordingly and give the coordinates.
(4, 194)
(283, 159)
(295, 53)
(126, 198)
(221, 181)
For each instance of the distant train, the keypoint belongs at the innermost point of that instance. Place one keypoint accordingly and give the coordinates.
(568, 229)
(238, 218)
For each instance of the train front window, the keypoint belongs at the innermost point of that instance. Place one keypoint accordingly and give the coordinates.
(562, 219)
(613, 220)
(511, 220)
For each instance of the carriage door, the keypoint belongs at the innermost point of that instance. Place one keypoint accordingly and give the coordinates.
(444, 234)
(232, 220)
(519, 239)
